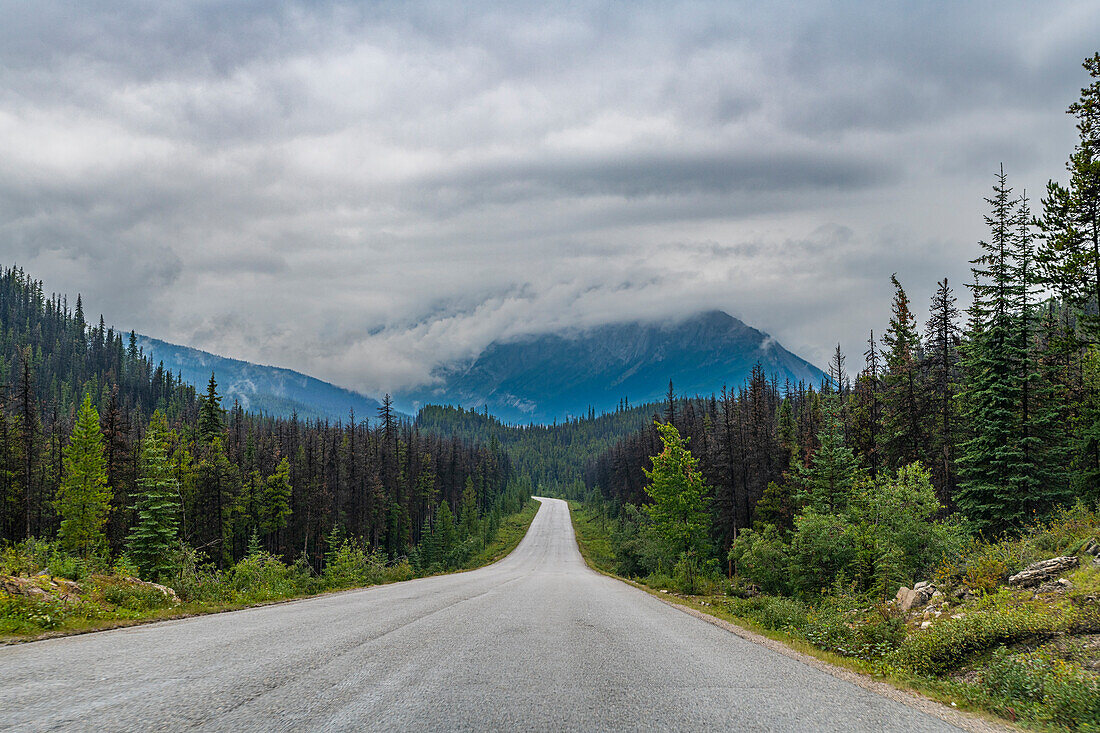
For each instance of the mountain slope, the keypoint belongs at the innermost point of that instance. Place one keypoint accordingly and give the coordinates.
(551, 376)
(272, 390)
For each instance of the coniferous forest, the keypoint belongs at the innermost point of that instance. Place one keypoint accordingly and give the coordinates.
(113, 456)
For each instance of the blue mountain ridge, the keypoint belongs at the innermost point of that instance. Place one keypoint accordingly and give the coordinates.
(546, 377)
(532, 379)
(272, 390)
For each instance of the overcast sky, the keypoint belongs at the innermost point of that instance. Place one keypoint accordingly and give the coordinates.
(361, 191)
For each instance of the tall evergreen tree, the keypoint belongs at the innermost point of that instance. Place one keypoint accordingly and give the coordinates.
(156, 510)
(84, 498)
(211, 414)
(991, 455)
(679, 495)
(942, 338)
(903, 438)
(1069, 251)
(827, 482)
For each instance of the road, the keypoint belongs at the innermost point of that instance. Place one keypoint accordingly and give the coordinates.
(535, 642)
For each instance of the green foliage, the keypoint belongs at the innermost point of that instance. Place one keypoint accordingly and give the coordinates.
(83, 499)
(776, 507)
(827, 482)
(352, 565)
(763, 558)
(154, 534)
(950, 643)
(276, 498)
(823, 547)
(679, 494)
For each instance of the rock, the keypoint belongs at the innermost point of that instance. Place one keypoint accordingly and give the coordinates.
(1038, 572)
(909, 598)
(957, 616)
(963, 593)
(27, 587)
(1092, 547)
(1054, 586)
(925, 624)
(168, 592)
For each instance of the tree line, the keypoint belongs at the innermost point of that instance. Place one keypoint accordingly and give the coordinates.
(112, 454)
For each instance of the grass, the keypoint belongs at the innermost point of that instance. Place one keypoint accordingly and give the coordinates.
(509, 535)
(593, 537)
(107, 601)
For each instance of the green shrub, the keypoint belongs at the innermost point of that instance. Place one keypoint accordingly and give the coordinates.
(772, 612)
(762, 558)
(823, 547)
(1043, 688)
(21, 615)
(352, 566)
(261, 577)
(949, 643)
(660, 581)
(130, 596)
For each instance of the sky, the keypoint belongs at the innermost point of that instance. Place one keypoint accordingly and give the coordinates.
(365, 191)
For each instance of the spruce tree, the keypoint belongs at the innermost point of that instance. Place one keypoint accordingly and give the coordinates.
(211, 414)
(1070, 226)
(153, 536)
(84, 498)
(275, 502)
(941, 343)
(827, 483)
(991, 455)
(1041, 476)
(903, 438)
(444, 532)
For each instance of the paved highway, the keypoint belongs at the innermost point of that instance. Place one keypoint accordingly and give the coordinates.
(535, 642)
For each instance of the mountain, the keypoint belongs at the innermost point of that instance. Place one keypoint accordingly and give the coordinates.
(546, 377)
(272, 390)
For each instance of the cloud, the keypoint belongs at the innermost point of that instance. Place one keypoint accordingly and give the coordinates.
(363, 192)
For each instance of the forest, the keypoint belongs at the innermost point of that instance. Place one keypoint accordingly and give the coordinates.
(113, 456)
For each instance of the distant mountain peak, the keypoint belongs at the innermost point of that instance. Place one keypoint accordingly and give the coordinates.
(548, 376)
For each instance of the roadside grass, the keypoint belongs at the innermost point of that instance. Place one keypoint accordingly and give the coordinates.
(593, 537)
(112, 598)
(512, 530)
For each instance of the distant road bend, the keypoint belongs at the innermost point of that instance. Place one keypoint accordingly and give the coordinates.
(535, 642)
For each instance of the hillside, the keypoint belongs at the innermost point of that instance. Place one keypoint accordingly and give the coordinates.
(271, 390)
(547, 377)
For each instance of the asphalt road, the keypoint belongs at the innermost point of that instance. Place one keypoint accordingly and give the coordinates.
(535, 642)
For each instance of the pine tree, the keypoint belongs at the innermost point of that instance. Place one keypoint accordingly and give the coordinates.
(903, 437)
(275, 504)
(941, 341)
(211, 414)
(990, 457)
(468, 516)
(444, 532)
(153, 537)
(827, 483)
(84, 498)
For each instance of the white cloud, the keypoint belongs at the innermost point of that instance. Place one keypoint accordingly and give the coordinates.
(363, 192)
